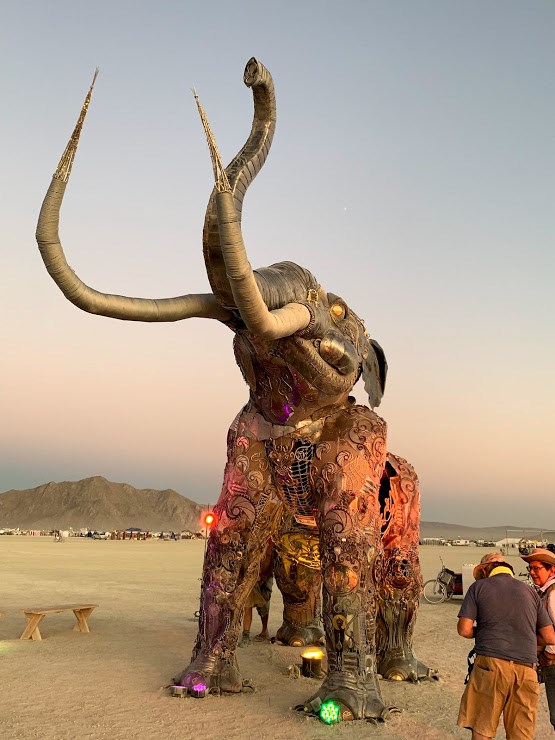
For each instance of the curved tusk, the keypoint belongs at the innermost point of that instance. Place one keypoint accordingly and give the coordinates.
(80, 294)
(281, 322)
(106, 304)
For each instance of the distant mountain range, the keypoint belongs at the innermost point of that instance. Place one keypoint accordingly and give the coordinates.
(493, 534)
(97, 503)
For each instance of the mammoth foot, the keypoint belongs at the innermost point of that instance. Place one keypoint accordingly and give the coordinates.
(343, 697)
(395, 668)
(213, 673)
(293, 636)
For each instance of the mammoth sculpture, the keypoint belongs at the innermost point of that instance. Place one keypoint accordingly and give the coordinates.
(305, 463)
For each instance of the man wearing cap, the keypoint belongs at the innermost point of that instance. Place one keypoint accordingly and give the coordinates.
(508, 615)
(541, 566)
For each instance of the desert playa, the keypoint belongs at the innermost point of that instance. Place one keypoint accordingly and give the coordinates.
(110, 683)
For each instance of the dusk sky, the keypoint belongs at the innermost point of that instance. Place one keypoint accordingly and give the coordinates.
(412, 172)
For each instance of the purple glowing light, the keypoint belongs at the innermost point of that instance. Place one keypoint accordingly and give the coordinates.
(199, 687)
(287, 411)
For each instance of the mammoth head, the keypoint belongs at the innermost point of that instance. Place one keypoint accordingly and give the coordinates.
(346, 346)
(334, 349)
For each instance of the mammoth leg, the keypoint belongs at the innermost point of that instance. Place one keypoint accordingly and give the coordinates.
(401, 585)
(245, 516)
(347, 470)
(298, 577)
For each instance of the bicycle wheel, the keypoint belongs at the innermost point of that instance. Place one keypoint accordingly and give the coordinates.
(434, 591)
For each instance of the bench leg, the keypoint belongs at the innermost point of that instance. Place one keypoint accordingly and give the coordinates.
(31, 631)
(81, 615)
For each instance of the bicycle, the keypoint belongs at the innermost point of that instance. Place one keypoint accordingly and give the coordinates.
(443, 587)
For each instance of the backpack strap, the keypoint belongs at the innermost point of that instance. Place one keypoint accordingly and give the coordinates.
(471, 657)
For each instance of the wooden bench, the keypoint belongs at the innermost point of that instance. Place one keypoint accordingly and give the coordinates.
(35, 616)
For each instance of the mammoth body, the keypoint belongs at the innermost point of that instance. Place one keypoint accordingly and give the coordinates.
(306, 465)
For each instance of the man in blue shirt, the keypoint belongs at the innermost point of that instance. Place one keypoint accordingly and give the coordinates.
(508, 616)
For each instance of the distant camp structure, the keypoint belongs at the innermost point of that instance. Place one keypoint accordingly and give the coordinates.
(441, 541)
(133, 533)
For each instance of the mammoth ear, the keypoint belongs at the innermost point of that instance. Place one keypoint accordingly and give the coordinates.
(374, 372)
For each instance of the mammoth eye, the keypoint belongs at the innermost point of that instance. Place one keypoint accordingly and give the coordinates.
(338, 310)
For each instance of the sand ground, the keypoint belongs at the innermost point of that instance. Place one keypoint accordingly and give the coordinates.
(110, 683)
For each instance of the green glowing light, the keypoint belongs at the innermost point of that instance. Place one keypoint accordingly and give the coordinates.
(330, 712)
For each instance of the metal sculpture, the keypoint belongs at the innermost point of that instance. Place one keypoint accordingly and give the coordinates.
(304, 460)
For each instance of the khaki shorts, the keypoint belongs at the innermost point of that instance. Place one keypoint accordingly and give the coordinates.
(260, 597)
(500, 687)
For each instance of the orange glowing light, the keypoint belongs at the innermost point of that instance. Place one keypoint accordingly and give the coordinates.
(209, 519)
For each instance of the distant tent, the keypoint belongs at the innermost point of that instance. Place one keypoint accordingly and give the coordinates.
(133, 529)
(506, 544)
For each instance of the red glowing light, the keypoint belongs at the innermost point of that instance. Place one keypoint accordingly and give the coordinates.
(209, 519)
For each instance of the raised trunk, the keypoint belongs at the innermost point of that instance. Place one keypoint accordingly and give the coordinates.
(241, 172)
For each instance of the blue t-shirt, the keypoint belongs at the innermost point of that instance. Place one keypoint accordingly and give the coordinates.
(507, 614)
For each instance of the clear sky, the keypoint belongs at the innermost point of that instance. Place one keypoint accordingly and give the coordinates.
(412, 171)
